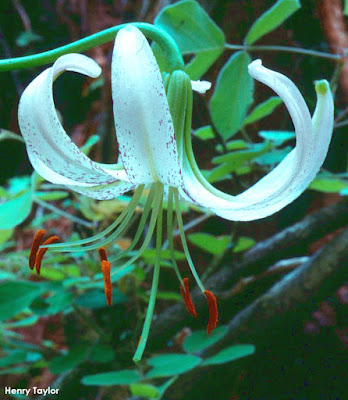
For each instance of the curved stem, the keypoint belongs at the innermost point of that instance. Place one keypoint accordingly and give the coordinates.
(286, 49)
(162, 38)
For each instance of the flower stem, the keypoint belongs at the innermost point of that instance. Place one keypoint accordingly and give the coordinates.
(287, 49)
(146, 328)
(162, 38)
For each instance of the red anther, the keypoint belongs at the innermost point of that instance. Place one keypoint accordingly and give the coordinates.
(102, 254)
(213, 311)
(185, 292)
(41, 252)
(106, 268)
(35, 247)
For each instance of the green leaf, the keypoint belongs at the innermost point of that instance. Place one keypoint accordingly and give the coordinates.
(233, 145)
(91, 141)
(5, 235)
(27, 37)
(144, 390)
(232, 96)
(329, 184)
(123, 377)
(263, 110)
(8, 135)
(16, 296)
(23, 322)
(236, 160)
(171, 296)
(13, 212)
(72, 359)
(52, 195)
(171, 364)
(345, 11)
(205, 132)
(277, 137)
(199, 340)
(96, 298)
(231, 353)
(194, 32)
(59, 302)
(243, 243)
(271, 19)
(274, 156)
(209, 243)
(102, 353)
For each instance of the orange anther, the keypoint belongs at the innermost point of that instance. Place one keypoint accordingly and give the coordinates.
(102, 254)
(35, 247)
(185, 292)
(213, 311)
(106, 267)
(41, 252)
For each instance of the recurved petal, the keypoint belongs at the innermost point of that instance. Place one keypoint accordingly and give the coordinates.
(143, 121)
(51, 152)
(104, 192)
(293, 175)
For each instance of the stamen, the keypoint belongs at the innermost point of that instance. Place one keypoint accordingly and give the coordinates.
(213, 311)
(35, 247)
(42, 251)
(102, 254)
(106, 267)
(122, 220)
(150, 308)
(185, 292)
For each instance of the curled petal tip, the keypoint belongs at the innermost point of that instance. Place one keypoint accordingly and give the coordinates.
(322, 86)
(254, 64)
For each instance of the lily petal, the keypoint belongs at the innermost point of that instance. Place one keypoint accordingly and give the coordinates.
(292, 176)
(104, 192)
(144, 125)
(51, 152)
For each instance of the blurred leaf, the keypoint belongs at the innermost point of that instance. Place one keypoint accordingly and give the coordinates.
(8, 135)
(346, 8)
(200, 340)
(344, 192)
(16, 296)
(59, 302)
(243, 243)
(172, 296)
(23, 322)
(144, 390)
(233, 145)
(232, 95)
(209, 243)
(205, 132)
(5, 235)
(52, 195)
(328, 184)
(75, 356)
(263, 110)
(271, 19)
(25, 38)
(194, 32)
(94, 139)
(277, 137)
(13, 358)
(18, 184)
(234, 161)
(273, 157)
(150, 255)
(171, 364)
(229, 354)
(123, 377)
(102, 353)
(96, 298)
(13, 212)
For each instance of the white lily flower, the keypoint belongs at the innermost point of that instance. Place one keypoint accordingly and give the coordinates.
(155, 149)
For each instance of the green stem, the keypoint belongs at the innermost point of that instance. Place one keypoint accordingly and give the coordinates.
(150, 308)
(287, 49)
(162, 38)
